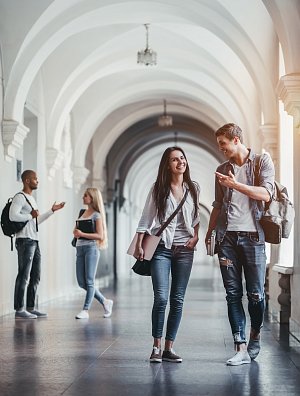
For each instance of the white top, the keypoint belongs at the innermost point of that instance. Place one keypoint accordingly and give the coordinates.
(239, 212)
(150, 224)
(181, 235)
(20, 211)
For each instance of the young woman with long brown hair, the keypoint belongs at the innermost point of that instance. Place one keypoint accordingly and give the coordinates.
(174, 255)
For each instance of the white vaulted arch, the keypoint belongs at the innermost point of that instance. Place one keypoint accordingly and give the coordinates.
(52, 30)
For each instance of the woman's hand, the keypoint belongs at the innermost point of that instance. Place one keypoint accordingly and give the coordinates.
(191, 243)
(77, 233)
(139, 253)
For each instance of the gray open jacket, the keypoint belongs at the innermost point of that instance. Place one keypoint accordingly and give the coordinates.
(223, 194)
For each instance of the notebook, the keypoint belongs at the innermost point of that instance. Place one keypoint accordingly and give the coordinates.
(85, 226)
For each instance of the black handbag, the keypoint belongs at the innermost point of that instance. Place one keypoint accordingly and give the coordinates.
(143, 267)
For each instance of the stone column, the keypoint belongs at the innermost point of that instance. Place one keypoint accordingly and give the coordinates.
(269, 134)
(289, 92)
(80, 175)
(54, 160)
(284, 298)
(13, 137)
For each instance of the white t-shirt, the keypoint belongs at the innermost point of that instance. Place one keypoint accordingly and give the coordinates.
(239, 212)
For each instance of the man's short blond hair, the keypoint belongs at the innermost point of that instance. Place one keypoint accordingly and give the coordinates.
(230, 131)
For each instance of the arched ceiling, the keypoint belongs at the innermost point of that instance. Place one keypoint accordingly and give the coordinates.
(216, 64)
(143, 173)
(146, 135)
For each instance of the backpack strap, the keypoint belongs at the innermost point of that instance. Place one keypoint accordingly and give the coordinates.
(26, 199)
(36, 222)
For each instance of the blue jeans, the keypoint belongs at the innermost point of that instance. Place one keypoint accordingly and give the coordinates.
(178, 261)
(29, 272)
(238, 252)
(87, 257)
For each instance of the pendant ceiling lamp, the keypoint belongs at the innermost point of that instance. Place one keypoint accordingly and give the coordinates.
(147, 56)
(165, 120)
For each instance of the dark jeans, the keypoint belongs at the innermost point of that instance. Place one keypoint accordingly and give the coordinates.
(29, 272)
(178, 261)
(238, 252)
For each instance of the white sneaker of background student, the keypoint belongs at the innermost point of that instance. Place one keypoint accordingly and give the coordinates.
(107, 305)
(241, 357)
(84, 314)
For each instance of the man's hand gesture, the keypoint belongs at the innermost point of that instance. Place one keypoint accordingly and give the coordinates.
(57, 206)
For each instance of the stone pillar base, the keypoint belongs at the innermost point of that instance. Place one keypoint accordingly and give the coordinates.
(284, 297)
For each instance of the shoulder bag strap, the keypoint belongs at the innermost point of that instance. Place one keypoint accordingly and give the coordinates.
(257, 161)
(165, 225)
(81, 212)
(36, 222)
(79, 215)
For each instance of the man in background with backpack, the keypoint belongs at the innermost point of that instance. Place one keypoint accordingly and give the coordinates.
(24, 208)
(237, 209)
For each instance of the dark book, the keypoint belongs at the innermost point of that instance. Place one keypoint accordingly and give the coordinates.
(86, 226)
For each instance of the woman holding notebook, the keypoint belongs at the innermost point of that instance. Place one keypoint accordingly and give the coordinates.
(91, 234)
(173, 191)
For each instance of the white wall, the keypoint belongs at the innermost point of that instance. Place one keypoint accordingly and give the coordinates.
(58, 256)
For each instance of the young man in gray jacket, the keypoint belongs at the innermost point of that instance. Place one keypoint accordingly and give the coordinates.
(237, 209)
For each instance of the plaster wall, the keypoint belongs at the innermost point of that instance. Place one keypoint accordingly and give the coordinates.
(58, 256)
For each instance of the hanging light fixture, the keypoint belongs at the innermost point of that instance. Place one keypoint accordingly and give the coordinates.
(165, 120)
(147, 56)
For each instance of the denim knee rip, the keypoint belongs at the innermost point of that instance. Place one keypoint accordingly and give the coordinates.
(255, 297)
(226, 262)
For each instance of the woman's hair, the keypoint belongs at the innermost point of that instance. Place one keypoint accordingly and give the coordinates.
(98, 206)
(162, 184)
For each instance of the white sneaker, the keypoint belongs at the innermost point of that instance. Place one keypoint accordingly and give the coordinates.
(241, 357)
(108, 304)
(82, 315)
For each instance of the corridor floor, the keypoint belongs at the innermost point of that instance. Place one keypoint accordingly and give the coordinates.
(109, 357)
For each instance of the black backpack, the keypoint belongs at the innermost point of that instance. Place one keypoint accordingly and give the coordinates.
(279, 213)
(10, 228)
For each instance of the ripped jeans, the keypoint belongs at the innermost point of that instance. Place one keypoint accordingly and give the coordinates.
(238, 252)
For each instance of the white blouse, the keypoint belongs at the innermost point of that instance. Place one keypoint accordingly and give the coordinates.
(150, 224)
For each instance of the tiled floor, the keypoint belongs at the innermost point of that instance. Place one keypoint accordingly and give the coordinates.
(61, 355)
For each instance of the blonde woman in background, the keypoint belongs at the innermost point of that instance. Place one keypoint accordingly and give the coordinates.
(88, 253)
